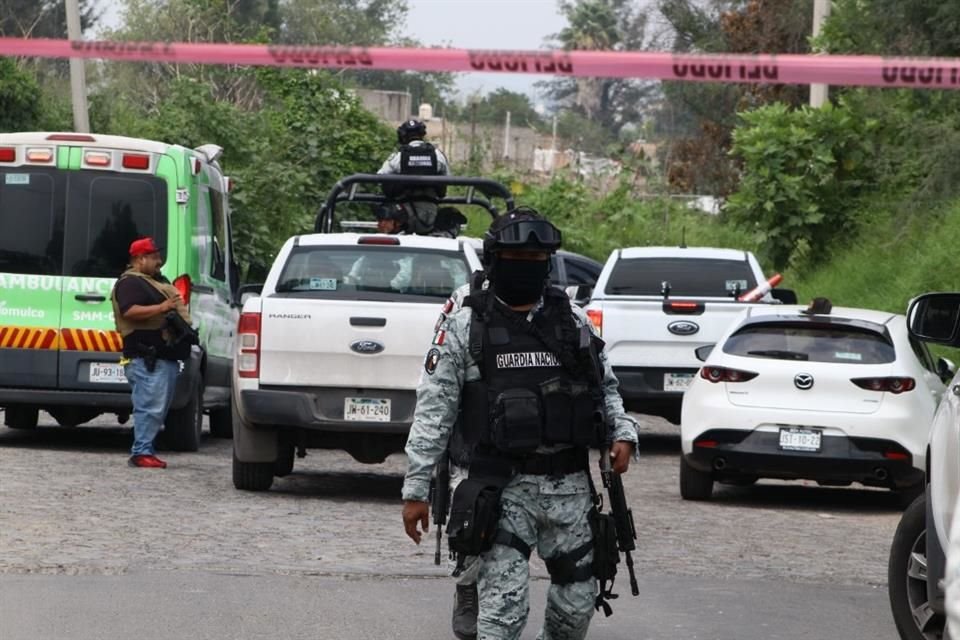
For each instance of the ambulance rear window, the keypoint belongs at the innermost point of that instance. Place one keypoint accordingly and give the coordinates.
(105, 213)
(76, 223)
(31, 220)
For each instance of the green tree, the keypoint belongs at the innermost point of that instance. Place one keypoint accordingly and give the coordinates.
(20, 98)
(893, 28)
(42, 18)
(493, 107)
(602, 25)
(343, 22)
(698, 118)
(803, 170)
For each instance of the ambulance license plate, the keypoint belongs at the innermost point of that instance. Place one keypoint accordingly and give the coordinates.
(107, 372)
(366, 409)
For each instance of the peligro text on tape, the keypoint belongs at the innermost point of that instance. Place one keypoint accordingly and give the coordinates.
(748, 72)
(521, 61)
(929, 73)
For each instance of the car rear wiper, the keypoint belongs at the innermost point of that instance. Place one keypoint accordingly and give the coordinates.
(780, 353)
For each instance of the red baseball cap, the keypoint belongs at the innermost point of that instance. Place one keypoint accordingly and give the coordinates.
(142, 247)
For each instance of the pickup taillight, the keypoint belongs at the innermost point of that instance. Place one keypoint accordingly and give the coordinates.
(596, 319)
(248, 339)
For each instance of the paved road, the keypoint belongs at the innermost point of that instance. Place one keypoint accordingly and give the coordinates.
(69, 505)
(159, 605)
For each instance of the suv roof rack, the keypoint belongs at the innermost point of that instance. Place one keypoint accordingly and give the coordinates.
(480, 192)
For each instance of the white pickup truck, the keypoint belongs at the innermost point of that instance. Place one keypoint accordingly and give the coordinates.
(330, 354)
(655, 305)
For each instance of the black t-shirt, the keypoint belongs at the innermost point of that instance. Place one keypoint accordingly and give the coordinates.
(131, 292)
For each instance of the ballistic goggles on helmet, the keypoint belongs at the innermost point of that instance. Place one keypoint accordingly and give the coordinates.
(527, 234)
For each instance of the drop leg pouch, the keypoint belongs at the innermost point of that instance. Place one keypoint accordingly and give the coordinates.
(474, 516)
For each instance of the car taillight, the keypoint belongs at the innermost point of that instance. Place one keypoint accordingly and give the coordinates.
(40, 155)
(682, 308)
(135, 161)
(183, 286)
(71, 137)
(892, 384)
(8, 154)
(725, 374)
(596, 319)
(378, 240)
(248, 336)
(97, 158)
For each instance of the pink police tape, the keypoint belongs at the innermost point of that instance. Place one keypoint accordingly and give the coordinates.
(932, 73)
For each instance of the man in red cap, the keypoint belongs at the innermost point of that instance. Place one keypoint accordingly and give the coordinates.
(141, 300)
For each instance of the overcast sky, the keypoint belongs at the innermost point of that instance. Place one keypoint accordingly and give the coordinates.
(486, 24)
(468, 24)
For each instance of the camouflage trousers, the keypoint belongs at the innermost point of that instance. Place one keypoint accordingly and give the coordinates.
(550, 515)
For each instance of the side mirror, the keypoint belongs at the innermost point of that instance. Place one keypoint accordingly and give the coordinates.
(579, 294)
(704, 352)
(247, 291)
(784, 296)
(935, 317)
(946, 369)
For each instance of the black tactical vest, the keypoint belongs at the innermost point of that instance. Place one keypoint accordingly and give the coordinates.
(419, 160)
(526, 397)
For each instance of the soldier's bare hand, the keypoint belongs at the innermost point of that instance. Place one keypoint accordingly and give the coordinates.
(620, 454)
(415, 512)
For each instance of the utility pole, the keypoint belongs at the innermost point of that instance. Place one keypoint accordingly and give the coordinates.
(78, 79)
(473, 133)
(506, 137)
(821, 9)
(553, 146)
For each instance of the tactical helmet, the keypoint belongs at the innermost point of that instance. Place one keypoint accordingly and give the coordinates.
(521, 228)
(411, 130)
(391, 212)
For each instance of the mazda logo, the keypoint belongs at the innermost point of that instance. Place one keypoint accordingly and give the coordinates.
(366, 346)
(683, 328)
(803, 381)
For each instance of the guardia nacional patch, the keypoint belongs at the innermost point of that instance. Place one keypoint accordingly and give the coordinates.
(433, 358)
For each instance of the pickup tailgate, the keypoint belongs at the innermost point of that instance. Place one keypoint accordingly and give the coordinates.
(344, 343)
(650, 333)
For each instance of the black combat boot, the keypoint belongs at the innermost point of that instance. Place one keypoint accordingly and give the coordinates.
(465, 609)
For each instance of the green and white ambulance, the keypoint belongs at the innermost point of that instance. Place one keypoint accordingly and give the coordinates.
(70, 205)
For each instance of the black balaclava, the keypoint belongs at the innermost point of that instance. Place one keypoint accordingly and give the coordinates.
(519, 282)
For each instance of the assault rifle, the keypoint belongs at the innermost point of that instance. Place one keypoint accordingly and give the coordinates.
(622, 515)
(440, 500)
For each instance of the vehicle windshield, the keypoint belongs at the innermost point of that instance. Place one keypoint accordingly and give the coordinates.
(687, 277)
(76, 223)
(813, 343)
(357, 271)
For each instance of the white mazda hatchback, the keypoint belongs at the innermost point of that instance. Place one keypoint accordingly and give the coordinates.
(840, 396)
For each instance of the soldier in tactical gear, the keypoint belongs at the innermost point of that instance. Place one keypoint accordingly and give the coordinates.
(520, 368)
(416, 157)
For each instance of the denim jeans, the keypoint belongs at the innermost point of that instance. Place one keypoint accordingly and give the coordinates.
(152, 395)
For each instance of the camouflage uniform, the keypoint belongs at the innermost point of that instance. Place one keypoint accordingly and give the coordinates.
(546, 513)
